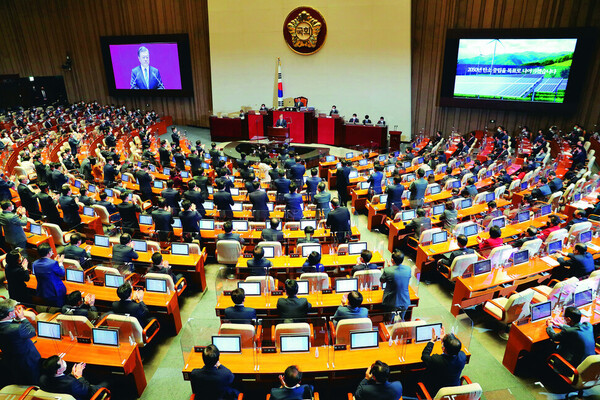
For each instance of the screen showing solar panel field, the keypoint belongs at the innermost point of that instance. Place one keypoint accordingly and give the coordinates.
(528, 70)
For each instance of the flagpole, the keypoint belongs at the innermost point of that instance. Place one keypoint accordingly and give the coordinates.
(279, 84)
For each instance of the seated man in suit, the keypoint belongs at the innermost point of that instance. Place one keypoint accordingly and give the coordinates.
(50, 274)
(338, 220)
(381, 122)
(213, 381)
(354, 119)
(443, 370)
(313, 263)
(351, 307)
(364, 262)
(446, 261)
(75, 304)
(160, 266)
(110, 207)
(227, 235)
(376, 385)
(291, 389)
(419, 224)
(258, 265)
(272, 234)
(292, 307)
(530, 234)
(575, 339)
(163, 220)
(578, 216)
(580, 263)
(54, 379)
(308, 232)
(131, 303)
(73, 252)
(238, 314)
(333, 111)
(124, 252)
(367, 120)
(299, 103)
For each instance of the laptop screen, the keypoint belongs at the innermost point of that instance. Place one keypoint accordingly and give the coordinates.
(349, 155)
(92, 189)
(521, 257)
(209, 205)
(346, 285)
(308, 222)
(585, 237)
(151, 167)
(523, 185)
(240, 226)
(158, 184)
(577, 197)
(482, 267)
(541, 311)
(364, 340)
(250, 288)
(207, 224)
(102, 241)
(48, 330)
(180, 249)
(35, 229)
(353, 174)
(363, 162)
(555, 246)
(383, 198)
(177, 222)
(490, 197)
(77, 184)
(114, 281)
(234, 191)
(294, 343)
(145, 220)
(329, 158)
(470, 230)
(499, 222)
(210, 190)
(455, 184)
(438, 209)
(74, 275)
(409, 177)
(381, 157)
(166, 171)
(435, 189)
(156, 285)
(423, 332)
(269, 251)
(228, 343)
(547, 209)
(443, 168)
(108, 192)
(185, 174)
(364, 185)
(237, 207)
(307, 249)
(88, 211)
(356, 248)
(583, 298)
(140, 245)
(303, 287)
(466, 203)
(270, 207)
(408, 215)
(523, 216)
(439, 237)
(105, 336)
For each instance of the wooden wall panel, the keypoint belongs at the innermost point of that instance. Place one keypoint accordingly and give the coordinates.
(431, 19)
(36, 36)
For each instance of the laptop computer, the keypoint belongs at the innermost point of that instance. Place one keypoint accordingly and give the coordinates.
(228, 343)
(294, 343)
(105, 336)
(482, 267)
(356, 247)
(346, 285)
(423, 332)
(307, 249)
(541, 311)
(180, 249)
(364, 340)
(439, 237)
(250, 288)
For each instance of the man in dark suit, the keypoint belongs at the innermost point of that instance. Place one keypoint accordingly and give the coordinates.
(69, 207)
(20, 358)
(575, 339)
(580, 263)
(84, 199)
(58, 178)
(223, 201)
(354, 119)
(297, 171)
(214, 154)
(312, 183)
(334, 111)
(281, 123)
(376, 385)
(163, 220)
(127, 211)
(351, 307)
(213, 381)
(110, 207)
(417, 189)
(12, 225)
(172, 197)
(238, 314)
(55, 380)
(291, 389)
(258, 265)
(145, 181)
(322, 200)
(194, 195)
(202, 182)
(259, 200)
(195, 161)
(73, 252)
(338, 220)
(272, 234)
(364, 262)
(292, 307)
(282, 185)
(124, 252)
(443, 370)
(578, 216)
(419, 224)
(343, 181)
(367, 120)
(49, 274)
(446, 261)
(227, 235)
(164, 154)
(131, 303)
(190, 218)
(73, 144)
(394, 199)
(293, 203)
(28, 198)
(175, 136)
(144, 76)
(110, 139)
(396, 296)
(299, 103)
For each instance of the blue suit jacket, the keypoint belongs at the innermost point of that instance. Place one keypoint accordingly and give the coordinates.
(397, 279)
(297, 393)
(138, 81)
(346, 312)
(19, 351)
(212, 383)
(368, 390)
(240, 315)
(49, 281)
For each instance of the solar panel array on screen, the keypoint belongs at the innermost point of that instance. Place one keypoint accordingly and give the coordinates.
(498, 85)
(549, 85)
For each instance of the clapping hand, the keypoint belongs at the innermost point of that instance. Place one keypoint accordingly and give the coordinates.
(77, 370)
(368, 374)
(20, 312)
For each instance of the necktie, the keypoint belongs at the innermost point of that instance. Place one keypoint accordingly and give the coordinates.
(146, 77)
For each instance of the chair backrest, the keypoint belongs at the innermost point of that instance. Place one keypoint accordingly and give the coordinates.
(194, 248)
(499, 191)
(263, 282)
(480, 198)
(499, 255)
(460, 265)
(39, 394)
(559, 234)
(228, 251)
(346, 326)
(317, 280)
(481, 173)
(129, 327)
(517, 306)
(295, 328)
(533, 246)
(427, 234)
(56, 233)
(368, 277)
(72, 264)
(276, 246)
(78, 325)
(449, 183)
(514, 184)
(580, 227)
(162, 277)
(406, 329)
(589, 372)
(555, 198)
(100, 271)
(459, 229)
(438, 168)
(246, 331)
(102, 212)
(472, 391)
(430, 188)
(153, 246)
(468, 175)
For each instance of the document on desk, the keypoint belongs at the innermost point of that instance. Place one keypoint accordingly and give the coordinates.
(550, 261)
(593, 246)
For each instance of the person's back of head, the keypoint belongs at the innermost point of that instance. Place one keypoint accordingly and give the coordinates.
(380, 371)
(74, 298)
(462, 240)
(292, 376)
(574, 314)
(238, 296)
(210, 355)
(420, 172)
(309, 230)
(314, 171)
(51, 365)
(6, 307)
(397, 257)
(495, 232)
(366, 256)
(44, 250)
(335, 203)
(125, 238)
(321, 186)
(227, 226)
(314, 258)
(124, 291)
(421, 212)
(274, 223)
(580, 248)
(191, 185)
(65, 190)
(451, 344)
(186, 204)
(123, 196)
(258, 253)
(291, 287)
(157, 258)
(75, 239)
(355, 299)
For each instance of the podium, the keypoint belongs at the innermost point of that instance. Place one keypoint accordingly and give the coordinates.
(278, 133)
(329, 130)
(301, 125)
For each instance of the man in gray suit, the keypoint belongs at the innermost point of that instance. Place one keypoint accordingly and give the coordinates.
(396, 296)
(12, 225)
(322, 199)
(417, 190)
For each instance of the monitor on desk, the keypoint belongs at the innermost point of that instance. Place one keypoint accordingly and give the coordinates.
(308, 222)
(48, 330)
(409, 177)
(180, 249)
(356, 247)
(113, 281)
(228, 343)
(435, 189)
(240, 226)
(500, 222)
(363, 162)
(91, 188)
(390, 169)
(583, 298)
(423, 332)
(381, 157)
(88, 211)
(443, 169)
(237, 206)
(158, 184)
(209, 205)
(307, 249)
(585, 237)
(349, 155)
(338, 165)
(303, 287)
(187, 164)
(234, 191)
(456, 184)
(438, 209)
(408, 215)
(140, 245)
(555, 246)
(166, 171)
(467, 160)
(546, 209)
(364, 340)
(524, 186)
(470, 230)
(576, 197)
(294, 343)
(101, 240)
(177, 222)
(364, 185)
(145, 219)
(109, 192)
(223, 158)
(77, 184)
(156, 285)
(74, 275)
(207, 224)
(270, 206)
(490, 197)
(185, 174)
(383, 198)
(105, 336)
(420, 160)
(36, 229)
(482, 267)
(250, 288)
(151, 167)
(439, 237)
(353, 174)
(428, 172)
(466, 203)
(489, 174)
(210, 190)
(206, 166)
(329, 158)
(520, 257)
(407, 164)
(541, 311)
(523, 216)
(346, 285)
(269, 251)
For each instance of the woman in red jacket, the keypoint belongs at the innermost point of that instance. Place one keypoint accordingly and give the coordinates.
(495, 239)
(553, 225)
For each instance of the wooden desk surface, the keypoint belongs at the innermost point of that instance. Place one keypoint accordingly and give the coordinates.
(287, 234)
(328, 260)
(146, 257)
